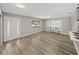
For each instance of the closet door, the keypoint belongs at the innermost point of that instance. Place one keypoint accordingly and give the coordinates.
(11, 28)
(0, 30)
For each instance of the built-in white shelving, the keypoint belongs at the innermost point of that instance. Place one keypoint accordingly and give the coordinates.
(76, 26)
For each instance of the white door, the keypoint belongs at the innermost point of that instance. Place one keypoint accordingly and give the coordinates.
(0, 30)
(11, 27)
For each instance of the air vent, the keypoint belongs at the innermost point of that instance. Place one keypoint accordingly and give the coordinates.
(77, 10)
(77, 7)
(77, 19)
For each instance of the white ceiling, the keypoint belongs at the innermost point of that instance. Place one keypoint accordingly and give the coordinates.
(40, 10)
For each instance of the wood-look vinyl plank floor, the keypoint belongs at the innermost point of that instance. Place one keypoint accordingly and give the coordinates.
(42, 43)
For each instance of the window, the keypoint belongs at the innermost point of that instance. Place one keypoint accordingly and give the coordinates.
(35, 24)
(56, 23)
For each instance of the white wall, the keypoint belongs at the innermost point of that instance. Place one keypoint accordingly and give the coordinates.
(15, 26)
(66, 24)
(26, 26)
(74, 22)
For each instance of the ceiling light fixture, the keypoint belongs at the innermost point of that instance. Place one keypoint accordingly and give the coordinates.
(20, 6)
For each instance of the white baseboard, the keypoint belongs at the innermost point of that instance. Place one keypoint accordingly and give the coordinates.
(61, 33)
(21, 36)
(27, 35)
(65, 33)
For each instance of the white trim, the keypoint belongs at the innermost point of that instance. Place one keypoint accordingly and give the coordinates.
(65, 33)
(1, 29)
(27, 35)
(76, 47)
(21, 36)
(8, 28)
(62, 33)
